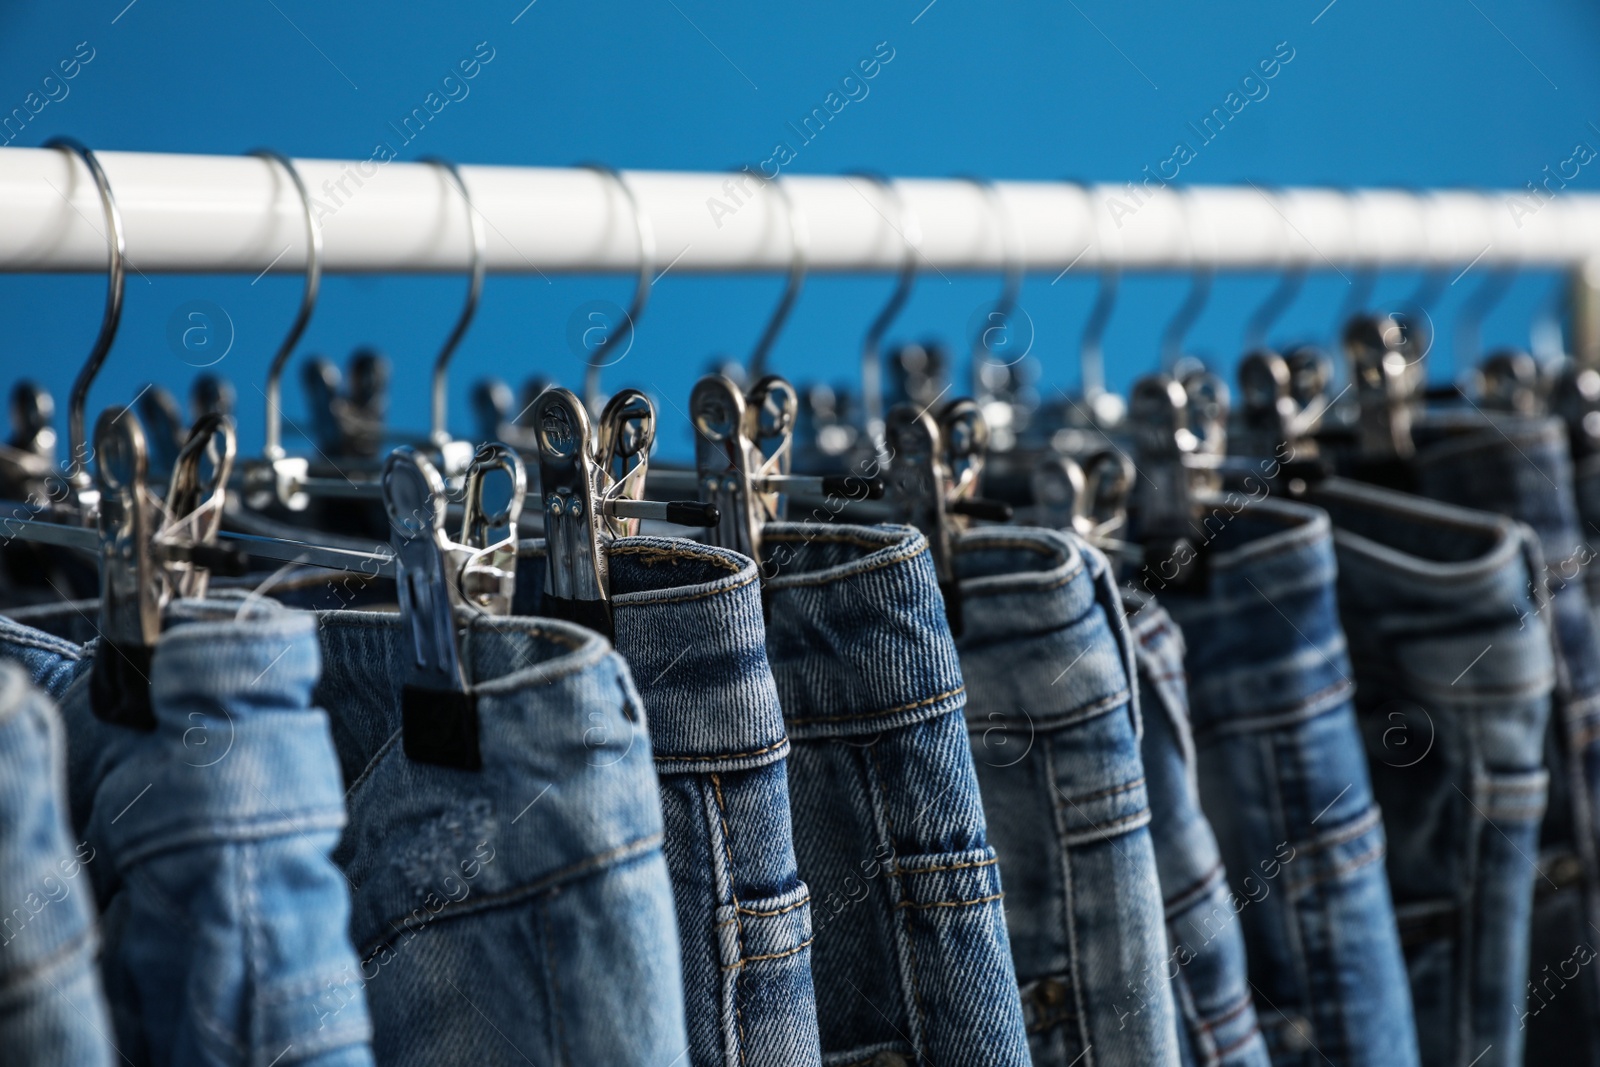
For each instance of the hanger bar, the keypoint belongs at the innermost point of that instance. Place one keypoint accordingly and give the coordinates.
(378, 564)
(232, 214)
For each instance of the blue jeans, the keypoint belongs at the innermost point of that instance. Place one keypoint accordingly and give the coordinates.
(1054, 724)
(1283, 778)
(1210, 980)
(223, 916)
(1522, 468)
(688, 621)
(1453, 671)
(520, 912)
(52, 1005)
(911, 959)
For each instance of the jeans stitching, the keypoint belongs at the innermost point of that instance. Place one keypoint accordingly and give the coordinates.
(896, 710)
(727, 848)
(906, 905)
(900, 887)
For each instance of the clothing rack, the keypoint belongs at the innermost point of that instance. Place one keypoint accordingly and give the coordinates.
(240, 214)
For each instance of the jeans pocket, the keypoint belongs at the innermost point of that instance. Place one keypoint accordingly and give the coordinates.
(769, 1006)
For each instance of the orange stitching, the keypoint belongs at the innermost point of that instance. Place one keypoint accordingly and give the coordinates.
(731, 755)
(950, 903)
(802, 946)
(780, 911)
(951, 867)
(887, 711)
(727, 847)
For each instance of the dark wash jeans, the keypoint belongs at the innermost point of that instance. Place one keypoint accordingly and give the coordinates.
(223, 916)
(1054, 723)
(911, 959)
(688, 621)
(1210, 979)
(1522, 468)
(520, 912)
(1453, 673)
(52, 1006)
(1284, 781)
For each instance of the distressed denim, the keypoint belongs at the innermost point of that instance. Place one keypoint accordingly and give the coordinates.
(1284, 781)
(1522, 468)
(520, 912)
(1210, 980)
(52, 1006)
(222, 914)
(688, 621)
(1453, 671)
(1054, 725)
(911, 960)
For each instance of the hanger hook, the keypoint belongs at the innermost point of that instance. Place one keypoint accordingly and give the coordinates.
(1010, 265)
(441, 365)
(799, 252)
(641, 292)
(308, 303)
(1476, 307)
(1091, 345)
(871, 344)
(117, 250)
(1203, 273)
(1291, 278)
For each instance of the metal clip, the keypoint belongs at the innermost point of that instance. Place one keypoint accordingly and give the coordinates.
(146, 562)
(28, 458)
(727, 464)
(436, 575)
(1508, 380)
(1174, 470)
(575, 586)
(1386, 385)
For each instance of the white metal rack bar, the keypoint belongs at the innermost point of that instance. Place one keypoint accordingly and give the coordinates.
(239, 214)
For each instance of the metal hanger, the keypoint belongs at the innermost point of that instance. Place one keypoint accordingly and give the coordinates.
(998, 386)
(591, 485)
(1174, 473)
(82, 497)
(28, 456)
(456, 456)
(641, 291)
(441, 579)
(872, 342)
(799, 248)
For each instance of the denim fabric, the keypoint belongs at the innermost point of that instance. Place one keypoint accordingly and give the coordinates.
(520, 912)
(911, 959)
(1210, 981)
(223, 916)
(52, 1006)
(1453, 674)
(1522, 468)
(688, 621)
(1283, 778)
(1054, 725)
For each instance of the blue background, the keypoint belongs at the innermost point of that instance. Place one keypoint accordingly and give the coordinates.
(1419, 93)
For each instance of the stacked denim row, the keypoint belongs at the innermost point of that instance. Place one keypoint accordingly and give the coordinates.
(1295, 814)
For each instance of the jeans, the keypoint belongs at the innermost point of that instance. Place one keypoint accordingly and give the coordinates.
(1054, 724)
(222, 914)
(52, 1006)
(1453, 670)
(1210, 981)
(1522, 468)
(520, 912)
(1283, 778)
(911, 959)
(688, 621)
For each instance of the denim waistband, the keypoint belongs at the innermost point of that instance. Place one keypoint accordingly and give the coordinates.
(1270, 609)
(51, 659)
(1512, 465)
(1406, 558)
(1018, 582)
(559, 726)
(689, 617)
(856, 629)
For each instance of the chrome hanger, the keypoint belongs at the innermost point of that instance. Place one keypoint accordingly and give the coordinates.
(441, 578)
(641, 292)
(82, 495)
(456, 456)
(278, 477)
(591, 485)
(1174, 472)
(28, 457)
(799, 248)
(872, 342)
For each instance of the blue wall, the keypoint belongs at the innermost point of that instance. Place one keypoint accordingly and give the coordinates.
(1407, 92)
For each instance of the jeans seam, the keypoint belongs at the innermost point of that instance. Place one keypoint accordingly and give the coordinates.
(733, 893)
(552, 972)
(900, 892)
(896, 710)
(1074, 955)
(907, 905)
(917, 547)
(952, 866)
(687, 597)
(1099, 794)
(726, 755)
